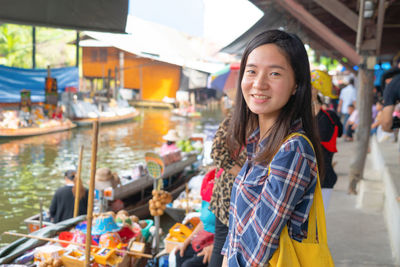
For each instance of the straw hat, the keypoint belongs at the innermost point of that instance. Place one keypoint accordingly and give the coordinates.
(172, 136)
(105, 178)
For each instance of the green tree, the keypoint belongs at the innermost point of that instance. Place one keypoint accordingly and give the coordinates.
(15, 45)
(52, 46)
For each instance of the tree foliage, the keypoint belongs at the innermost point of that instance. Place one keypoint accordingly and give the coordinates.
(15, 49)
(52, 46)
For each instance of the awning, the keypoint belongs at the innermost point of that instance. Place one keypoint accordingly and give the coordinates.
(93, 15)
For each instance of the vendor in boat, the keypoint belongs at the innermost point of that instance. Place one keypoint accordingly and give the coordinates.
(63, 202)
(171, 137)
(104, 179)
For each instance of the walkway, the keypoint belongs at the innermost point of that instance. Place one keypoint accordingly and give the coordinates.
(356, 238)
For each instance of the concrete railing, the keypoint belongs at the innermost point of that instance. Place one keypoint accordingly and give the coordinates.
(385, 160)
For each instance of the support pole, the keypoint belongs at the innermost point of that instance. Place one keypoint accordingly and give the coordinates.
(78, 182)
(77, 49)
(157, 185)
(141, 82)
(360, 28)
(33, 47)
(121, 69)
(364, 104)
(91, 192)
(379, 26)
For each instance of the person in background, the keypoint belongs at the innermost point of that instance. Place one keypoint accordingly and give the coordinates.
(104, 179)
(276, 185)
(348, 96)
(391, 96)
(58, 113)
(63, 202)
(170, 145)
(388, 75)
(226, 104)
(330, 128)
(351, 124)
(377, 120)
(196, 250)
(228, 166)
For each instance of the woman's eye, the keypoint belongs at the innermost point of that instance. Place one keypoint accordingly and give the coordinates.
(275, 74)
(250, 72)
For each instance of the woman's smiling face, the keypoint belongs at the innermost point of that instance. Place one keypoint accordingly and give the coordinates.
(268, 82)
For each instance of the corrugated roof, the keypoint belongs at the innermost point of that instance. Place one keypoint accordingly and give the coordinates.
(158, 42)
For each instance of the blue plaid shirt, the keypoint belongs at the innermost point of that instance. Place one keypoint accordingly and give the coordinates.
(262, 204)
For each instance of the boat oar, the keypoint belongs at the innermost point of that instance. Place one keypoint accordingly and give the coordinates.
(41, 213)
(144, 255)
(91, 192)
(78, 183)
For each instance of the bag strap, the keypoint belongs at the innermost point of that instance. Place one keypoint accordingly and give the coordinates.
(329, 116)
(316, 217)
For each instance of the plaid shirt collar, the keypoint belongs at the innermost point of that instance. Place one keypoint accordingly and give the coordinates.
(254, 138)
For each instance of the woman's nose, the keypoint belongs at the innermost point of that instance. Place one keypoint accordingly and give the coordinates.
(260, 82)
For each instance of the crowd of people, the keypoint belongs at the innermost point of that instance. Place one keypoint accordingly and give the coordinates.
(385, 108)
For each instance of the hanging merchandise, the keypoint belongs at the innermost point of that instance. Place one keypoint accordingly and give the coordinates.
(25, 104)
(51, 95)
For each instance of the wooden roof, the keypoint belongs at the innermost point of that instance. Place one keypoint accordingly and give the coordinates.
(330, 26)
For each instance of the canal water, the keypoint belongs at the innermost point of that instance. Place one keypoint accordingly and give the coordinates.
(32, 168)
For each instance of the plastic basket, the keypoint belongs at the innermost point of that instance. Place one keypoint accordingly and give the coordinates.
(146, 231)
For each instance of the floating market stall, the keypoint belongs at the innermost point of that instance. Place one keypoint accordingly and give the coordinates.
(25, 86)
(85, 113)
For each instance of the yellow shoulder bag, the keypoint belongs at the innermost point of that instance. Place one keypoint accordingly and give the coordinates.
(310, 252)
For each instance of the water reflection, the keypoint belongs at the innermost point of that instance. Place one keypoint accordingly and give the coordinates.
(31, 169)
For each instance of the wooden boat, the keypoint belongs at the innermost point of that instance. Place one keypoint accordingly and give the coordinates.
(186, 114)
(82, 122)
(20, 246)
(32, 131)
(151, 104)
(135, 193)
(131, 186)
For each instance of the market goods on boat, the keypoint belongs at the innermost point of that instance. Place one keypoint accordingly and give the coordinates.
(159, 201)
(112, 243)
(135, 188)
(22, 124)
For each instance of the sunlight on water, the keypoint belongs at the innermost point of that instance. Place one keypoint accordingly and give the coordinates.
(32, 168)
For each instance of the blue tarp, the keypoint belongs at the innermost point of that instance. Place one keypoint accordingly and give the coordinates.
(13, 80)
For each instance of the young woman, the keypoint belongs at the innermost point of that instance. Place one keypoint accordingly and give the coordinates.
(330, 128)
(228, 167)
(276, 185)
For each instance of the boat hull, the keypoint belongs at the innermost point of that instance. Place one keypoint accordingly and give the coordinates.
(106, 120)
(32, 131)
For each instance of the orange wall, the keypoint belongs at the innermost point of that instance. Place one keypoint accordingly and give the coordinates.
(93, 67)
(156, 79)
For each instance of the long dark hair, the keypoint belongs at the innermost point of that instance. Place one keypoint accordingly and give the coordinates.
(244, 121)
